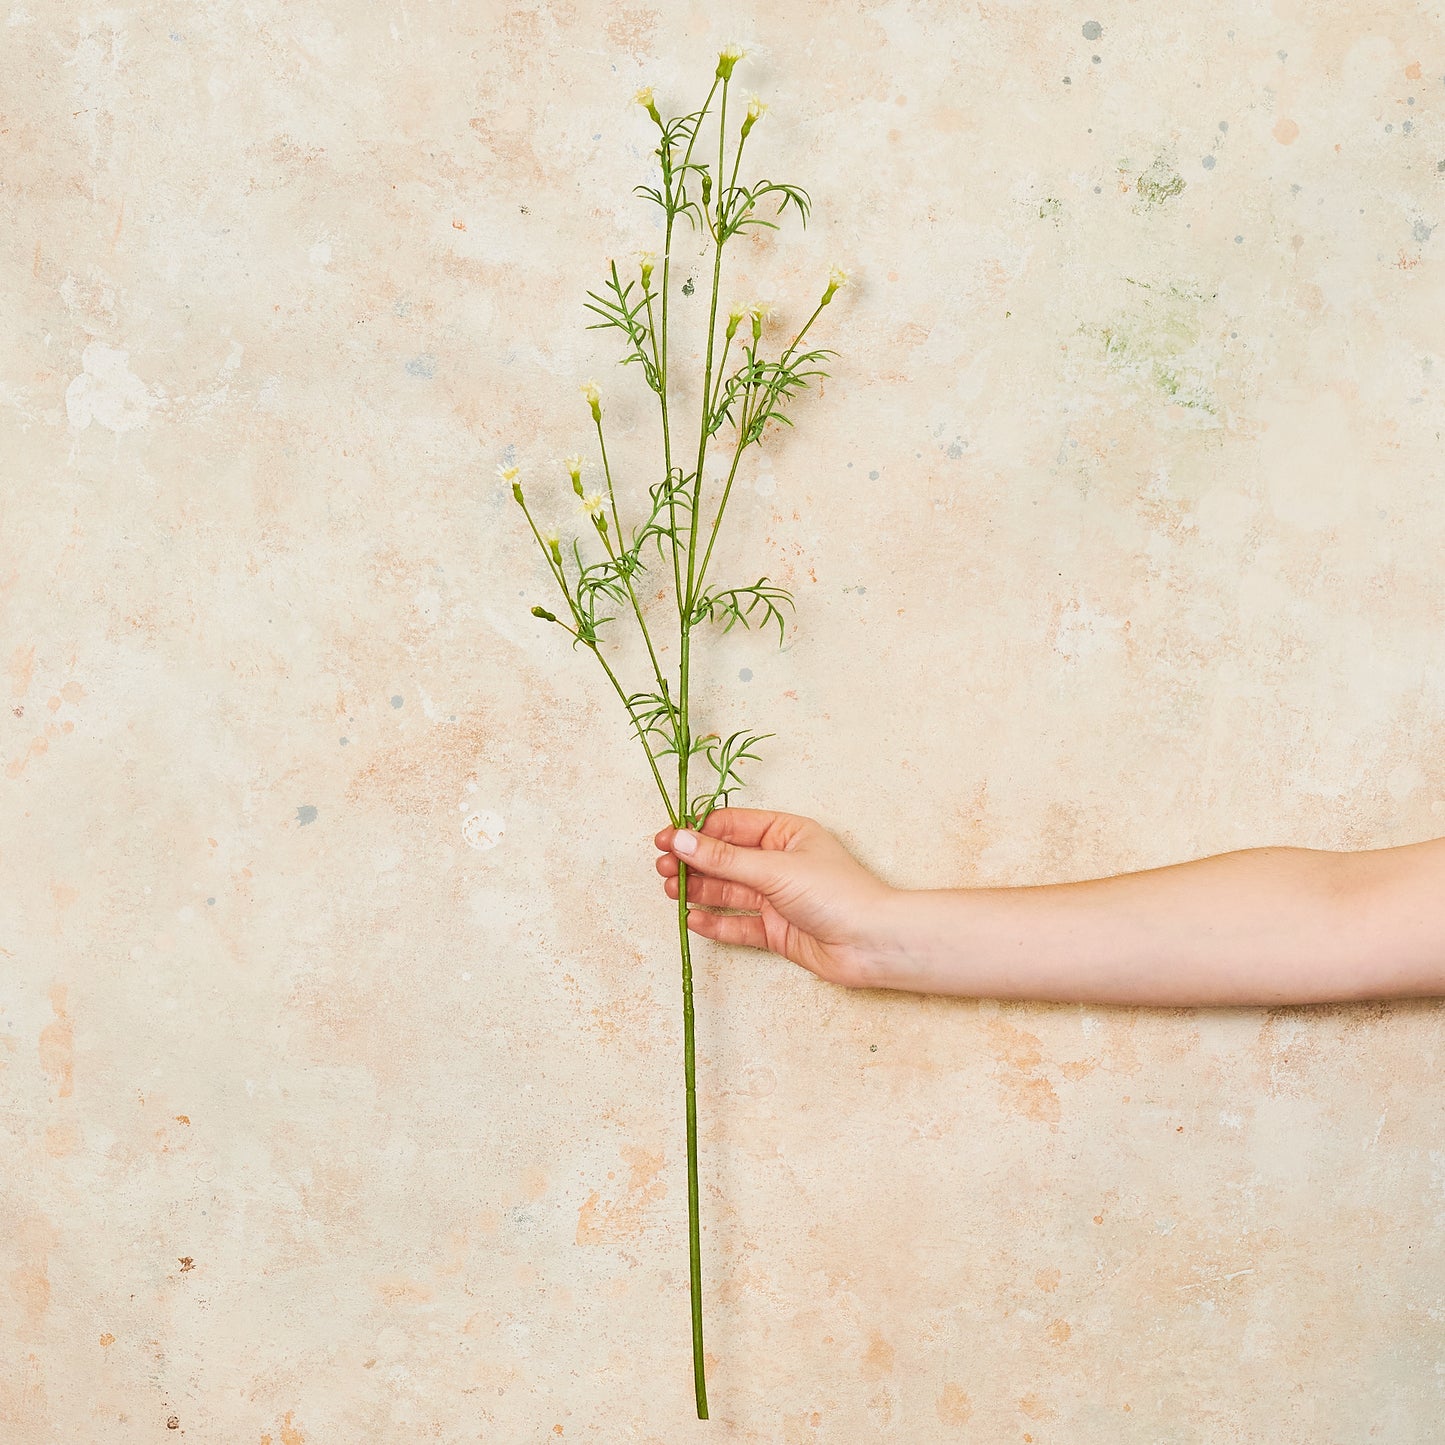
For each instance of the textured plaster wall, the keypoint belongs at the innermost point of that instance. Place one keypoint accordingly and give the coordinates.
(340, 1063)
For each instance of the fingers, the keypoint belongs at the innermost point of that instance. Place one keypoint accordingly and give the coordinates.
(758, 868)
(715, 892)
(743, 928)
(745, 827)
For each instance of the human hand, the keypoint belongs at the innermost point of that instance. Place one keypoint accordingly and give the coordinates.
(807, 898)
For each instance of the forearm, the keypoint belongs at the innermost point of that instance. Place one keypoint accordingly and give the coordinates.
(1256, 926)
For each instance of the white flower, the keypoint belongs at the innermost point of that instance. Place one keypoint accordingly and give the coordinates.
(736, 312)
(573, 465)
(593, 503)
(590, 390)
(837, 278)
(509, 474)
(756, 107)
(761, 311)
(644, 97)
(552, 537)
(726, 59)
(647, 260)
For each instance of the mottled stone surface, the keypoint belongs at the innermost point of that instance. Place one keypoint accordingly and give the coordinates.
(340, 1062)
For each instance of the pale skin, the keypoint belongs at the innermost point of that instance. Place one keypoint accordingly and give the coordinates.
(1258, 926)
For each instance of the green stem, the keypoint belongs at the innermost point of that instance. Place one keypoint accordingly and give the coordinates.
(627, 575)
(689, 1066)
(727, 490)
(722, 368)
(707, 369)
(662, 369)
(561, 580)
(684, 752)
(743, 444)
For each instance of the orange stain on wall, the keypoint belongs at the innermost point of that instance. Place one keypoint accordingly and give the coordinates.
(57, 1044)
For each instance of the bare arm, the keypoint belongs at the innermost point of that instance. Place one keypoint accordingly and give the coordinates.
(1257, 926)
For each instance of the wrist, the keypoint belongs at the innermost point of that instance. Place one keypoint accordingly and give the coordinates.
(900, 956)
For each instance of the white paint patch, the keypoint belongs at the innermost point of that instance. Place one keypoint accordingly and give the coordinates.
(765, 483)
(320, 254)
(107, 391)
(483, 830)
(1083, 631)
(428, 602)
(1403, 781)
(1375, 1137)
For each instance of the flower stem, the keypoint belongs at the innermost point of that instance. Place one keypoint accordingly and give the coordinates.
(626, 574)
(576, 635)
(689, 1066)
(662, 368)
(742, 446)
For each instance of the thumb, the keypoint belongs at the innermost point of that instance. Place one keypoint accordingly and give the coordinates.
(752, 867)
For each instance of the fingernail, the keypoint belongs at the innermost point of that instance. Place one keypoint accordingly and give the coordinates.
(684, 842)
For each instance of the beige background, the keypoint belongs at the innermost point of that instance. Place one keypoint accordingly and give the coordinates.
(1116, 538)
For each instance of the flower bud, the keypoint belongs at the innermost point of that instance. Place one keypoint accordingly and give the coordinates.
(543, 614)
(727, 59)
(706, 187)
(517, 493)
(760, 312)
(756, 107)
(644, 99)
(594, 399)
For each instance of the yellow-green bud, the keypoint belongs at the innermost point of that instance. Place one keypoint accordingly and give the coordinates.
(726, 60)
(577, 483)
(543, 614)
(517, 492)
(644, 98)
(594, 399)
(706, 187)
(554, 545)
(755, 109)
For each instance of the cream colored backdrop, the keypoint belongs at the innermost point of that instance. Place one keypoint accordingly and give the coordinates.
(340, 1056)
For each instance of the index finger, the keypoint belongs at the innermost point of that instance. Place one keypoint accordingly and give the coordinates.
(744, 827)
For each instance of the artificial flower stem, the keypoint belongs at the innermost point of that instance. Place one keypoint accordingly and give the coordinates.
(742, 445)
(689, 1068)
(626, 571)
(557, 572)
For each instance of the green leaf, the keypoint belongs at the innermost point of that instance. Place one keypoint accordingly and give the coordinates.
(619, 314)
(724, 756)
(737, 604)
